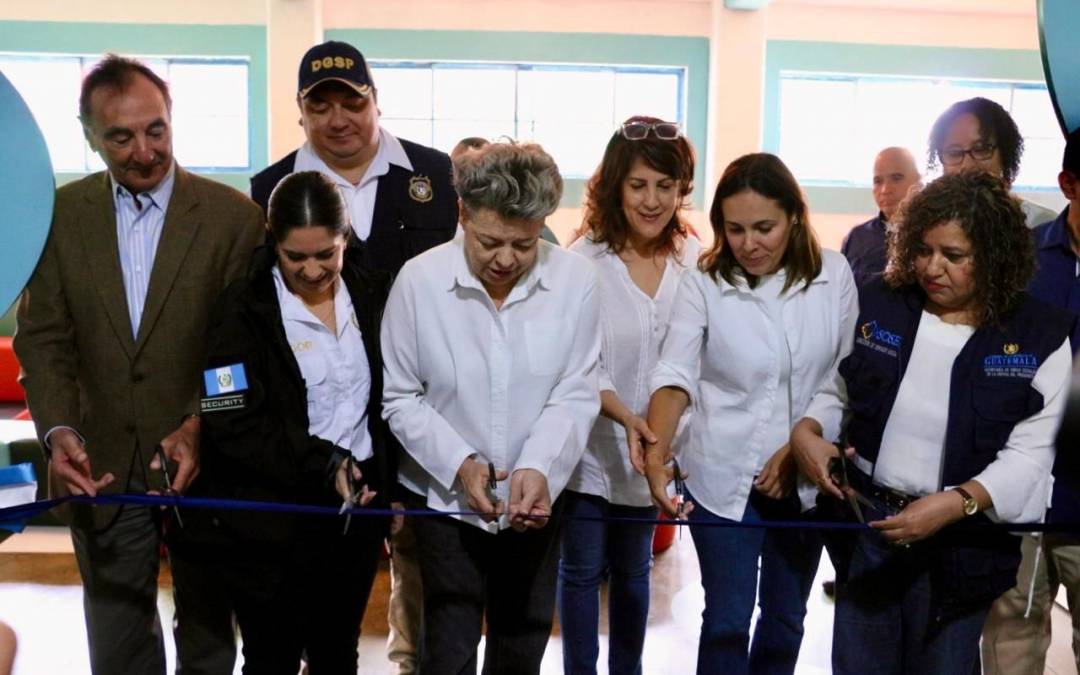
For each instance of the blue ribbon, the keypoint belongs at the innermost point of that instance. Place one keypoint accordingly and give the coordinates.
(26, 511)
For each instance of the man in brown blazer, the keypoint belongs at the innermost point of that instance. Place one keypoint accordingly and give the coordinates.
(111, 335)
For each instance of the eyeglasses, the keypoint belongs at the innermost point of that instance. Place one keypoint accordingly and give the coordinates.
(636, 131)
(980, 152)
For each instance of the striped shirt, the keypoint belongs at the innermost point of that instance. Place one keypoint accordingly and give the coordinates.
(139, 222)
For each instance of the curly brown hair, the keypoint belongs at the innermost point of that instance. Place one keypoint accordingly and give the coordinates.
(768, 176)
(604, 220)
(1003, 254)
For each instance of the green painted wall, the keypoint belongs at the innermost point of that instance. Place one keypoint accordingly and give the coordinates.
(160, 40)
(597, 48)
(896, 60)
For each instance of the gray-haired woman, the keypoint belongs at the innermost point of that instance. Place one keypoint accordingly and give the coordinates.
(490, 344)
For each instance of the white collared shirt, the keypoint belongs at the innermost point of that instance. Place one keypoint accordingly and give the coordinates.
(724, 348)
(632, 328)
(517, 386)
(359, 198)
(140, 220)
(335, 369)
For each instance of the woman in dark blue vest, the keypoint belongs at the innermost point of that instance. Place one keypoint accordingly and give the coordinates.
(953, 390)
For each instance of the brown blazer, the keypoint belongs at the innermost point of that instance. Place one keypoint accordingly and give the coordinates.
(81, 366)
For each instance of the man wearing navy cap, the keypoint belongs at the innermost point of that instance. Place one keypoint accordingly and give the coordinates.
(402, 202)
(399, 194)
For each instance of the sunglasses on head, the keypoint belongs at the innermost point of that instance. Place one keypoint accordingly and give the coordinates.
(636, 131)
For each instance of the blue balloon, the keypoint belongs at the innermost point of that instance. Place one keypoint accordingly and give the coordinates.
(27, 193)
(1059, 24)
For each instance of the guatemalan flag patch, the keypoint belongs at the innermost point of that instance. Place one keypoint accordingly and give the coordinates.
(225, 380)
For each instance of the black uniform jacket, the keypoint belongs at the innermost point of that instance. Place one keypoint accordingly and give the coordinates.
(414, 210)
(263, 451)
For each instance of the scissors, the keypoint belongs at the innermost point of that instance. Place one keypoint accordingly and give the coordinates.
(680, 491)
(353, 497)
(168, 491)
(838, 471)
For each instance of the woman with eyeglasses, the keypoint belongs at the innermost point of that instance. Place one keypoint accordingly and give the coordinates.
(756, 328)
(296, 420)
(952, 392)
(978, 134)
(634, 235)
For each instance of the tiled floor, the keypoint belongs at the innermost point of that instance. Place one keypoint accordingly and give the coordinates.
(41, 599)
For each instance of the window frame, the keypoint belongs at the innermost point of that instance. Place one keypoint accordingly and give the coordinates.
(679, 71)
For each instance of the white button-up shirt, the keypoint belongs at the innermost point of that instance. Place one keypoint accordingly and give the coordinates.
(723, 348)
(517, 386)
(632, 327)
(335, 369)
(140, 220)
(359, 198)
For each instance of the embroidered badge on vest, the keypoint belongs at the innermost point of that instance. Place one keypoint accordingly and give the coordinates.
(1012, 364)
(420, 189)
(874, 337)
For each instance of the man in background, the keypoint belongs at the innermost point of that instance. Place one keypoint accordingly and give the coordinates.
(864, 247)
(1015, 639)
(399, 194)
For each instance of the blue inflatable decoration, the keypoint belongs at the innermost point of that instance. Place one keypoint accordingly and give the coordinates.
(27, 191)
(1059, 24)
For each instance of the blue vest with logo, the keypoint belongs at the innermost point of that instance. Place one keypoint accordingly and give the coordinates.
(989, 393)
(990, 384)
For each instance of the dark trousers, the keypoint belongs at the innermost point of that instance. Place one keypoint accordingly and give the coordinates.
(884, 618)
(591, 551)
(119, 567)
(310, 600)
(467, 572)
(728, 558)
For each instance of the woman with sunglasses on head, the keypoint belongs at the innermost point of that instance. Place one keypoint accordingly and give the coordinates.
(756, 328)
(299, 422)
(977, 134)
(634, 234)
(952, 393)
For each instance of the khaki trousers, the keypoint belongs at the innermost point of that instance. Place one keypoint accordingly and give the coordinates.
(1015, 645)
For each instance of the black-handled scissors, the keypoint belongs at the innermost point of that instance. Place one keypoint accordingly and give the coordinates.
(164, 461)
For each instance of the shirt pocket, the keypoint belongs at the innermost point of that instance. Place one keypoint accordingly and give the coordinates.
(315, 371)
(999, 407)
(547, 342)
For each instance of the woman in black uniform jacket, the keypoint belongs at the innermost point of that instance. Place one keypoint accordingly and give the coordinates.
(293, 394)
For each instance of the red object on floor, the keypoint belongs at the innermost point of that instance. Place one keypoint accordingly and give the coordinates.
(10, 389)
(23, 416)
(664, 536)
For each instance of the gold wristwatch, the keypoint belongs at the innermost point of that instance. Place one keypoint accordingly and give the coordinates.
(971, 507)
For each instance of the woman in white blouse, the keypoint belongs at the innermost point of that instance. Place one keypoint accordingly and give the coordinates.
(953, 390)
(635, 237)
(755, 330)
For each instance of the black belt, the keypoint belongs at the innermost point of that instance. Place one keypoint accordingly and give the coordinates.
(894, 500)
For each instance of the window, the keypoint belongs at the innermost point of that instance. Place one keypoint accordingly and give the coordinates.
(832, 126)
(570, 110)
(210, 108)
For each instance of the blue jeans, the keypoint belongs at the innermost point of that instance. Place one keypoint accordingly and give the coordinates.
(884, 615)
(729, 574)
(591, 550)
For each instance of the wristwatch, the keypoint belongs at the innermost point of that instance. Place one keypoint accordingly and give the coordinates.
(971, 507)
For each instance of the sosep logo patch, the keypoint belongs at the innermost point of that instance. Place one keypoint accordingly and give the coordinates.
(877, 338)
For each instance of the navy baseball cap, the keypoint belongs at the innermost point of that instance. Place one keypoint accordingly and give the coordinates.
(338, 61)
